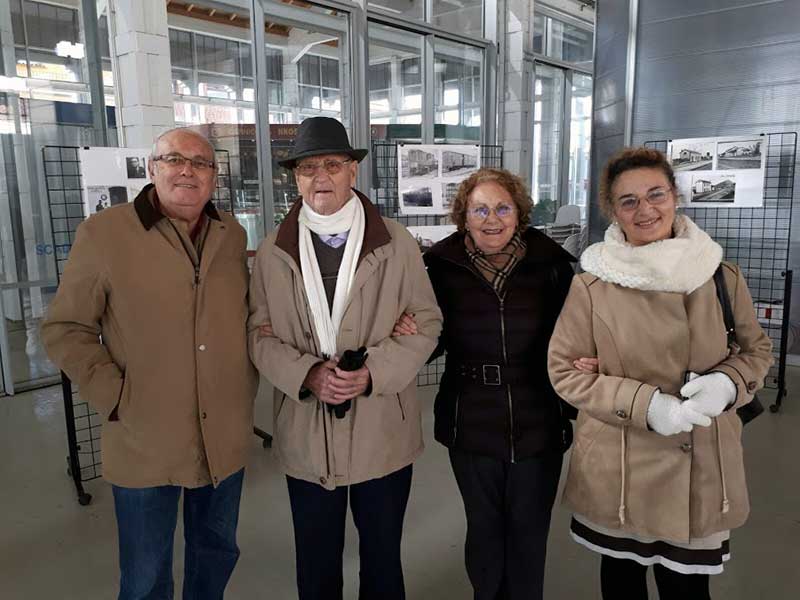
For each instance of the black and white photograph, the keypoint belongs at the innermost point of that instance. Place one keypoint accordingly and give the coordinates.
(417, 198)
(462, 162)
(739, 155)
(692, 155)
(136, 167)
(714, 188)
(99, 198)
(418, 163)
(449, 191)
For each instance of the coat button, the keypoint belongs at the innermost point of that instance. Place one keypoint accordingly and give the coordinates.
(308, 335)
(323, 480)
(686, 447)
(751, 386)
(202, 347)
(204, 415)
(621, 414)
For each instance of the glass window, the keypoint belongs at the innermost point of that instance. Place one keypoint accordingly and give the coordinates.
(308, 75)
(411, 9)
(457, 98)
(395, 83)
(217, 54)
(548, 115)
(463, 16)
(216, 86)
(538, 33)
(17, 27)
(274, 64)
(245, 60)
(183, 82)
(555, 38)
(180, 49)
(580, 135)
(329, 69)
(570, 43)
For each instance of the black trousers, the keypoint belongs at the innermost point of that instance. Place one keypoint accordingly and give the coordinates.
(508, 517)
(378, 507)
(622, 579)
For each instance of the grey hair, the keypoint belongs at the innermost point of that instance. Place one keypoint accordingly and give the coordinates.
(184, 130)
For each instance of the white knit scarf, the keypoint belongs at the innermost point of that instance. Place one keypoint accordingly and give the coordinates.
(680, 264)
(349, 217)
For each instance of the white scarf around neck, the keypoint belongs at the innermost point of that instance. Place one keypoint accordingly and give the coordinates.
(348, 218)
(680, 264)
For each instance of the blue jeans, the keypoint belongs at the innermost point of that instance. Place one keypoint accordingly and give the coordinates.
(146, 520)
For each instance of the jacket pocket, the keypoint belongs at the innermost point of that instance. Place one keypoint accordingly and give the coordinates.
(400, 404)
(279, 407)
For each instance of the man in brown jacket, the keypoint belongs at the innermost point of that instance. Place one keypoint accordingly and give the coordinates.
(149, 321)
(335, 277)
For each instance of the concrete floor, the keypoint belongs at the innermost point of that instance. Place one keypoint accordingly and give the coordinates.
(50, 547)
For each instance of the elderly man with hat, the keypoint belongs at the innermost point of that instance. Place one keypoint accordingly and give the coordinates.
(334, 277)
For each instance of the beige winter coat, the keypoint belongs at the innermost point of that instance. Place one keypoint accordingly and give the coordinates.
(623, 475)
(170, 375)
(382, 432)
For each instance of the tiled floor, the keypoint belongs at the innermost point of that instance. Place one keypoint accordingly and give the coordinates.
(52, 548)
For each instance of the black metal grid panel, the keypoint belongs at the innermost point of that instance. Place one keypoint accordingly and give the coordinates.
(62, 170)
(757, 239)
(223, 193)
(384, 182)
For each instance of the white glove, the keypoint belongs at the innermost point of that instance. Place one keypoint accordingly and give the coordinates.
(709, 394)
(667, 415)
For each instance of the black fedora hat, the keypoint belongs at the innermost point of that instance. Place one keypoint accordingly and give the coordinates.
(321, 135)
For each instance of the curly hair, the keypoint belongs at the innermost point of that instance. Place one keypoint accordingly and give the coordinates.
(507, 180)
(628, 159)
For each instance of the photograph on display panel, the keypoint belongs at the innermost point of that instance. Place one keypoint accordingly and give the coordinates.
(739, 155)
(417, 163)
(689, 155)
(713, 188)
(721, 172)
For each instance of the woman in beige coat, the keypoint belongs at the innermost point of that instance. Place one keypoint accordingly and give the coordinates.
(656, 475)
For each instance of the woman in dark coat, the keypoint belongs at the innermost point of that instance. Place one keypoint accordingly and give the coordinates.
(500, 285)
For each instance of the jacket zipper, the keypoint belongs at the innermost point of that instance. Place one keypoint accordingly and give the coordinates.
(505, 359)
(508, 387)
(455, 420)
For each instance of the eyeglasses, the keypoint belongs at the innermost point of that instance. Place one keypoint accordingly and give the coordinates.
(177, 161)
(482, 211)
(331, 166)
(654, 197)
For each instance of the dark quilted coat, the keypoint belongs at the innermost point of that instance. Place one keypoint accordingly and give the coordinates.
(523, 416)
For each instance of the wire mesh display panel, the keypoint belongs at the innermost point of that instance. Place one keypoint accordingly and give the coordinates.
(384, 182)
(757, 239)
(62, 171)
(223, 194)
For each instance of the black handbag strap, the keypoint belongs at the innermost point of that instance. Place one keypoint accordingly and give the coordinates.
(725, 302)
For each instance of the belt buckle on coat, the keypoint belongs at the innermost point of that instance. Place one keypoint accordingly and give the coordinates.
(491, 375)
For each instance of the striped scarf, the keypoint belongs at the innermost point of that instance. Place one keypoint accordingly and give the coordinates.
(496, 267)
